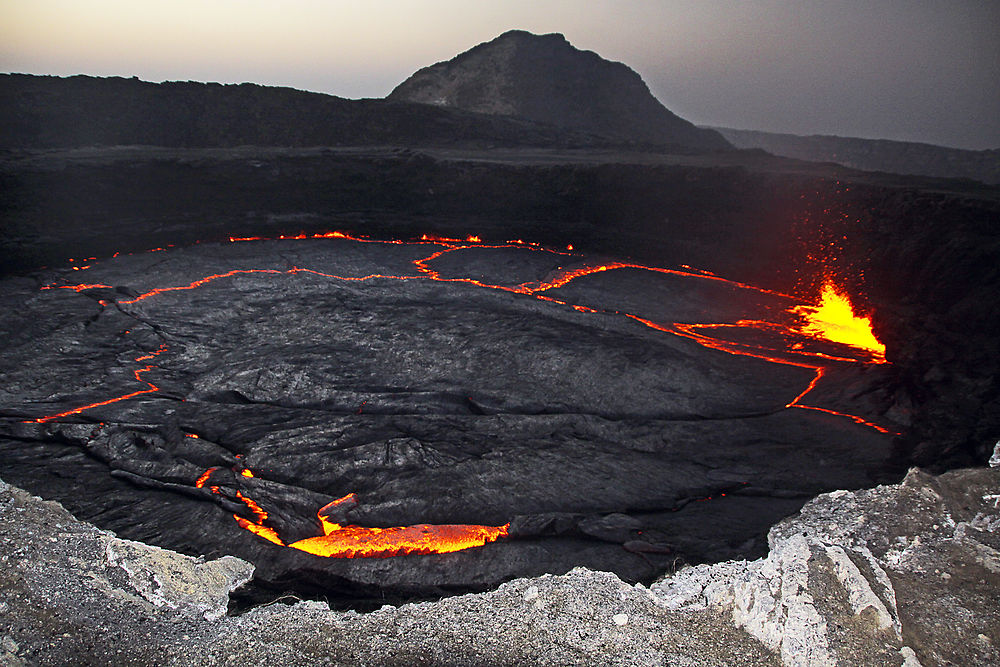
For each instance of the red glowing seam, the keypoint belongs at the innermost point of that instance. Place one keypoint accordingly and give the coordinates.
(419, 263)
(200, 482)
(257, 510)
(197, 283)
(534, 289)
(207, 279)
(266, 532)
(78, 288)
(523, 288)
(569, 276)
(854, 418)
(746, 350)
(794, 403)
(257, 528)
(734, 347)
(426, 238)
(138, 376)
(321, 235)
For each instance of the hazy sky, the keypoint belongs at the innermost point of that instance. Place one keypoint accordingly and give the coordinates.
(917, 70)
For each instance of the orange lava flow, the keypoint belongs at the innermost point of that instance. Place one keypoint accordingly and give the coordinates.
(256, 527)
(350, 541)
(359, 542)
(200, 482)
(267, 533)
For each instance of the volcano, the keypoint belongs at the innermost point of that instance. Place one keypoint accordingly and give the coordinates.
(546, 79)
(533, 345)
(370, 418)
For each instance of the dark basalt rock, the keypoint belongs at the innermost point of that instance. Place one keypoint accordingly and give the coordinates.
(62, 112)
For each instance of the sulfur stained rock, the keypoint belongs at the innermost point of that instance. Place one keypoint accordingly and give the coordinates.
(168, 579)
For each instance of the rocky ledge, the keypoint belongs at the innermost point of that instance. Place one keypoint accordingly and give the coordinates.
(907, 574)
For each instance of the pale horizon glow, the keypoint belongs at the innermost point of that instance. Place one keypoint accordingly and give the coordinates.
(911, 70)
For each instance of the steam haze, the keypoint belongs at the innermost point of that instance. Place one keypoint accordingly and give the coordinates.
(918, 70)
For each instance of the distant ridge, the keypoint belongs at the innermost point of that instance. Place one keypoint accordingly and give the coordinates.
(62, 112)
(545, 78)
(899, 157)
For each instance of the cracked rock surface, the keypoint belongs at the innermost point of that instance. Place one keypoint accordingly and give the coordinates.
(896, 575)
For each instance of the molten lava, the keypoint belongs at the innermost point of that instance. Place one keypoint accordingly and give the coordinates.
(358, 542)
(351, 541)
(834, 320)
(340, 541)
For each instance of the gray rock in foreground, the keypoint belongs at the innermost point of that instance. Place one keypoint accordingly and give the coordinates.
(897, 575)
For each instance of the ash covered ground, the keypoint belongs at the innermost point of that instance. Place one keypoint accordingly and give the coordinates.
(440, 383)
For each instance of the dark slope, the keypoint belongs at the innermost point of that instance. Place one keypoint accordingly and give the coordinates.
(546, 79)
(54, 112)
(899, 157)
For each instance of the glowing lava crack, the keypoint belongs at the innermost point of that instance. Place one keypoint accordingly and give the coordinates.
(800, 340)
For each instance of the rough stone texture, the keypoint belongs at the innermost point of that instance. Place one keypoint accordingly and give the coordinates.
(168, 579)
(896, 575)
(544, 78)
(905, 572)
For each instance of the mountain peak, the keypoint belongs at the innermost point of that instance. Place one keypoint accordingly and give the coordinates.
(545, 78)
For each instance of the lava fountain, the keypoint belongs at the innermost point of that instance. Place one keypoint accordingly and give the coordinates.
(834, 319)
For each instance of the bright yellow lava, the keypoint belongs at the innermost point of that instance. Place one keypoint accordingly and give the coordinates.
(834, 320)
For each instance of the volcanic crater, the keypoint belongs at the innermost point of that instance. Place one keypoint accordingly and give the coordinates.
(510, 409)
